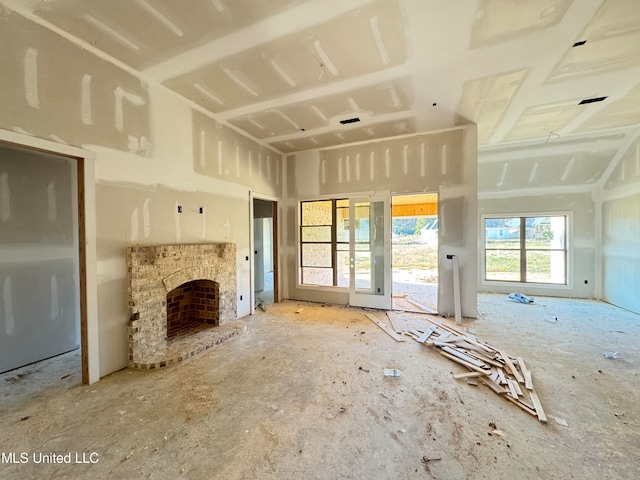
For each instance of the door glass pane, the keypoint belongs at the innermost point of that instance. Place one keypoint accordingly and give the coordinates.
(342, 259)
(363, 270)
(502, 265)
(361, 222)
(342, 222)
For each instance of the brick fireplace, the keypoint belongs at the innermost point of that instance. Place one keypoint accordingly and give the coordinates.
(182, 300)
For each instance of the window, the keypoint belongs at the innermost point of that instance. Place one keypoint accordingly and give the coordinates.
(324, 242)
(526, 249)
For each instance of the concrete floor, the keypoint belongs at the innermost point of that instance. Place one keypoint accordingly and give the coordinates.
(303, 395)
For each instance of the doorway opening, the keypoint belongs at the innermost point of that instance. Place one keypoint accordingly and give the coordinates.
(265, 271)
(414, 252)
(40, 261)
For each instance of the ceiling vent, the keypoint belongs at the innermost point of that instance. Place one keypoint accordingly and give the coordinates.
(350, 120)
(592, 100)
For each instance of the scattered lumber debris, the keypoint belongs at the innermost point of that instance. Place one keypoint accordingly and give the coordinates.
(385, 327)
(421, 306)
(506, 375)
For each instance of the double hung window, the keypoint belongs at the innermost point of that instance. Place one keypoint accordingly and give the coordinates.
(526, 249)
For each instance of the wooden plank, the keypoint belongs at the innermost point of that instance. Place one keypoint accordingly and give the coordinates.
(409, 334)
(483, 347)
(423, 338)
(394, 320)
(521, 364)
(445, 325)
(503, 380)
(528, 382)
(470, 366)
(483, 357)
(458, 376)
(421, 307)
(511, 367)
(385, 327)
(472, 381)
(538, 406)
(512, 388)
(446, 339)
(493, 385)
(524, 407)
(516, 385)
(462, 355)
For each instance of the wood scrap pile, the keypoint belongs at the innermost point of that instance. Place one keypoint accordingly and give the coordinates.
(506, 375)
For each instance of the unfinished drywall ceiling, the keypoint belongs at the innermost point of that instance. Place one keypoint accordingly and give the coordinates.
(498, 21)
(613, 40)
(285, 72)
(144, 32)
(300, 60)
(577, 162)
(487, 99)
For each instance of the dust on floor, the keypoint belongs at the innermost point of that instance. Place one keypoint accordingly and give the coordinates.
(303, 396)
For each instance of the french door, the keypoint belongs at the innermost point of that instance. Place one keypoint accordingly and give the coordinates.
(369, 252)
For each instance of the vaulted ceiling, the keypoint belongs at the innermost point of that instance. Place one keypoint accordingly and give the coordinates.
(288, 72)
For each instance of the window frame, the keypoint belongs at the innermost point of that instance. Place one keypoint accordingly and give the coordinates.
(568, 250)
(333, 243)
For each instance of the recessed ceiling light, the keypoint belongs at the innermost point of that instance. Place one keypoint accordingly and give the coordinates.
(581, 42)
(350, 120)
(592, 100)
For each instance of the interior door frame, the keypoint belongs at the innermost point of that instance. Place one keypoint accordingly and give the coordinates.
(276, 260)
(85, 164)
(356, 298)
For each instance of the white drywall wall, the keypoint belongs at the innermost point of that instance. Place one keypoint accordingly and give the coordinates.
(621, 232)
(152, 153)
(444, 162)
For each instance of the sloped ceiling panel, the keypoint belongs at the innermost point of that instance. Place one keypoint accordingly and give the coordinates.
(372, 101)
(620, 113)
(143, 32)
(613, 43)
(306, 59)
(550, 171)
(498, 21)
(541, 121)
(486, 100)
(370, 132)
